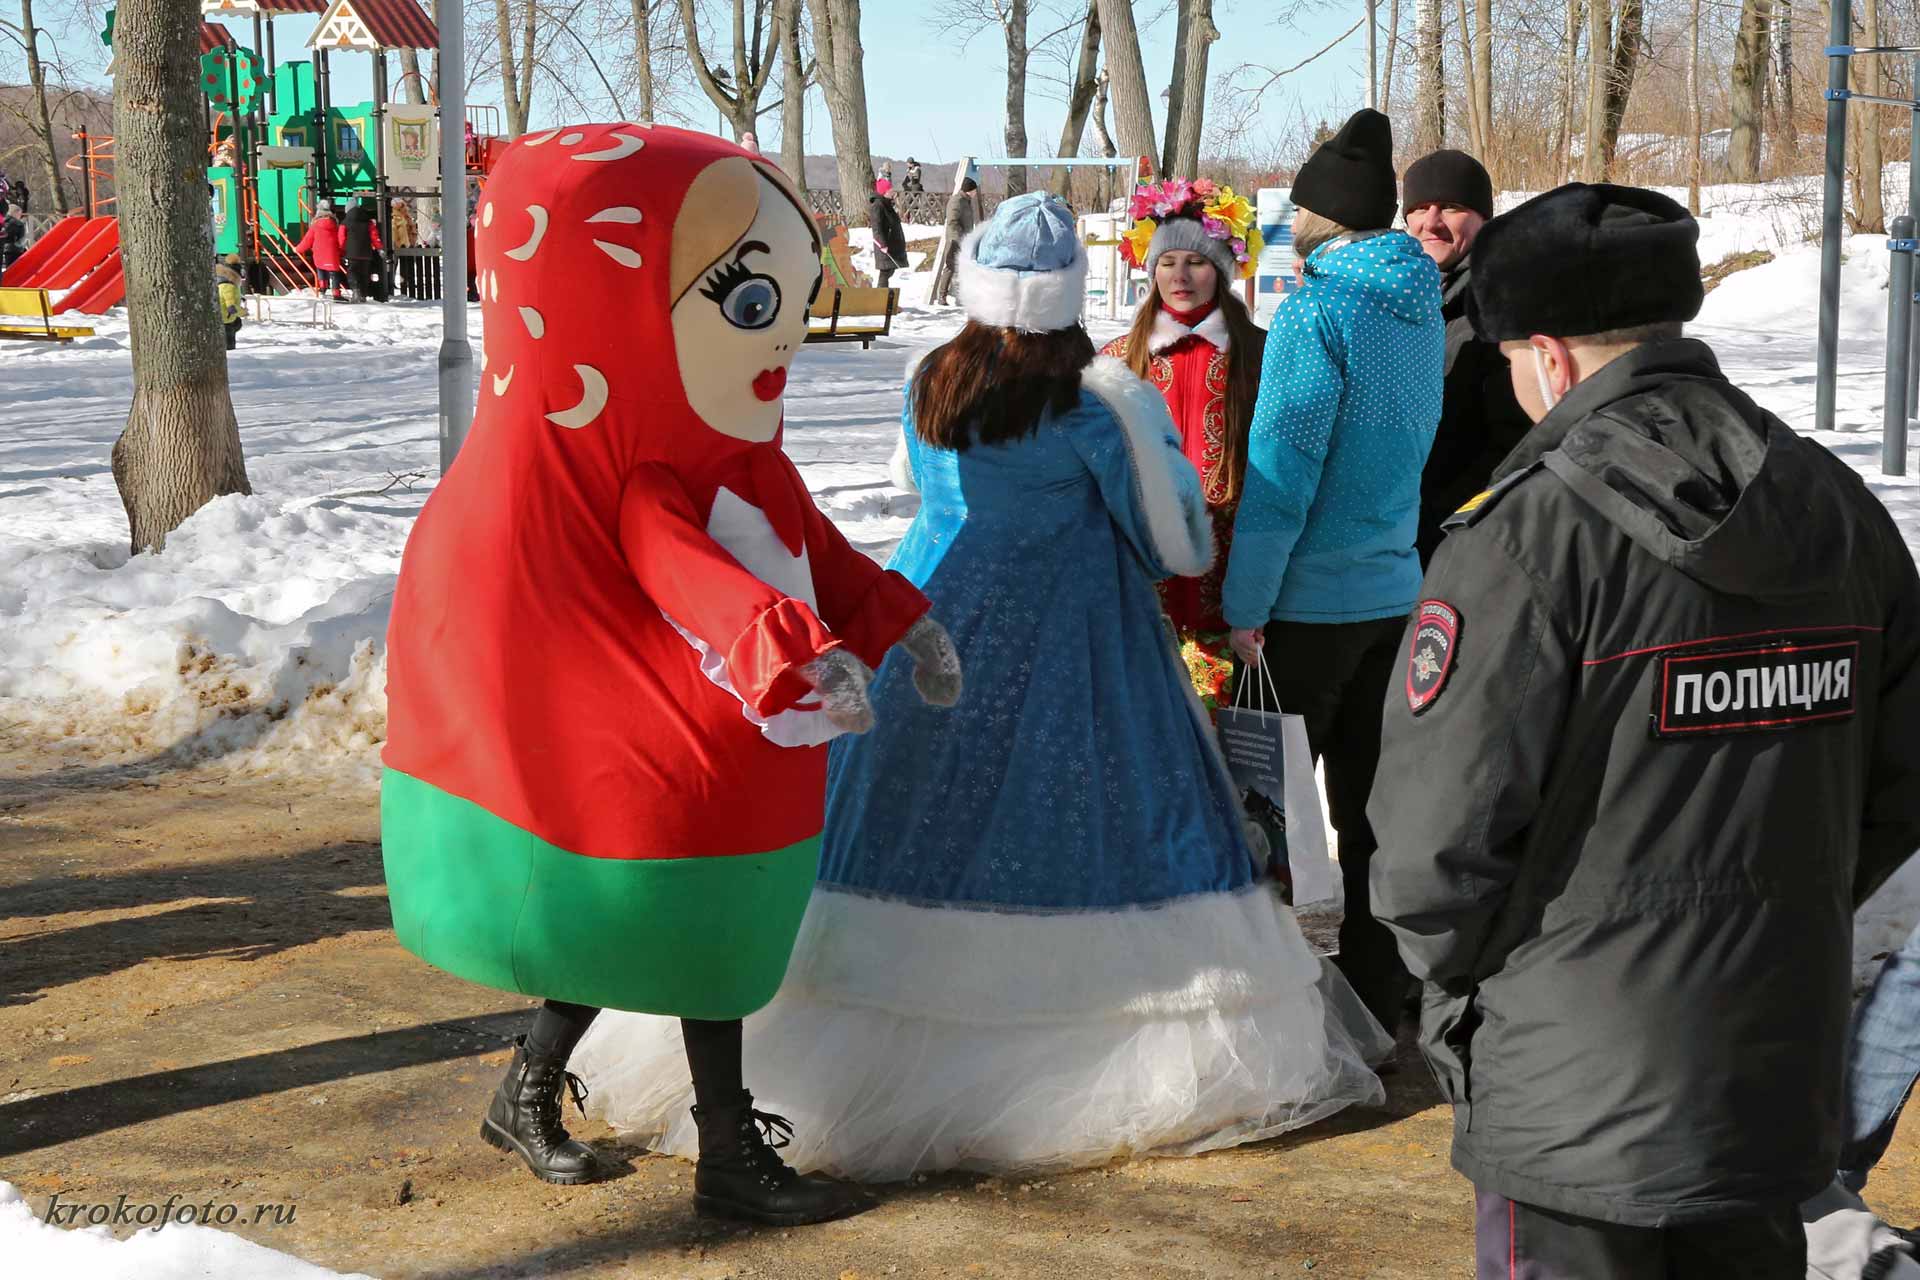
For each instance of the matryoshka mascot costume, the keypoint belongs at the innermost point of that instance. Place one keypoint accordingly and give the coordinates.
(623, 635)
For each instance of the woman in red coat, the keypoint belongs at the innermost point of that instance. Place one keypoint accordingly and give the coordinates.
(1194, 340)
(322, 245)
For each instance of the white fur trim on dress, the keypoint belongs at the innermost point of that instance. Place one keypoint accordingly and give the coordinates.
(1030, 301)
(1167, 331)
(1182, 531)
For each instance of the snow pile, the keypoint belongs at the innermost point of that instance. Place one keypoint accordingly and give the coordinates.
(170, 1252)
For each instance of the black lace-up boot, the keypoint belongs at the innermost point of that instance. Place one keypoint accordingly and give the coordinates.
(524, 1118)
(739, 1176)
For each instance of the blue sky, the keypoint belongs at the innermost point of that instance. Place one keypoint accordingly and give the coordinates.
(935, 102)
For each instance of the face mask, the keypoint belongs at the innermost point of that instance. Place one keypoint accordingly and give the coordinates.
(1547, 397)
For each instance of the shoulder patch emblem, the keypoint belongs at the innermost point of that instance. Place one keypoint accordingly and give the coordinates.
(1436, 638)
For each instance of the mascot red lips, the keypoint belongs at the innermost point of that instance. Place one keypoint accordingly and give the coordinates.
(769, 383)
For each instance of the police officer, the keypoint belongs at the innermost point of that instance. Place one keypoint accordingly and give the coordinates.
(1657, 736)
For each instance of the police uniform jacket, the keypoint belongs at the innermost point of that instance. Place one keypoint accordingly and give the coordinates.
(1657, 736)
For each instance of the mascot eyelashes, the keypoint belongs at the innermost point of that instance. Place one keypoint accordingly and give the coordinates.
(623, 635)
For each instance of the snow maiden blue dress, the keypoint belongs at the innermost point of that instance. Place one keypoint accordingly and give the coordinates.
(1039, 940)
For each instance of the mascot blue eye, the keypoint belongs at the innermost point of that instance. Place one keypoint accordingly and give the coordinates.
(752, 304)
(748, 301)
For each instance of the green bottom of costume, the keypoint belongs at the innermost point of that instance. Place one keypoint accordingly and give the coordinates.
(490, 902)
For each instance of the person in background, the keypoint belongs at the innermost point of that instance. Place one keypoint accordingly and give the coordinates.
(963, 214)
(230, 286)
(321, 246)
(22, 196)
(1194, 341)
(1323, 573)
(13, 236)
(886, 171)
(912, 185)
(889, 237)
(6, 190)
(360, 245)
(1447, 196)
(1657, 736)
(405, 236)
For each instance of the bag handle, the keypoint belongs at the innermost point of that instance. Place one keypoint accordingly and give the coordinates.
(1264, 688)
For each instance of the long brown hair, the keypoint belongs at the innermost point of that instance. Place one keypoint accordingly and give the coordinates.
(1246, 344)
(991, 385)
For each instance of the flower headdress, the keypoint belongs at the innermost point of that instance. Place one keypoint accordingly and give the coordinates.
(1222, 215)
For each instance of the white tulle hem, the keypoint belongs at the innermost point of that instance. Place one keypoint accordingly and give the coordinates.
(879, 1094)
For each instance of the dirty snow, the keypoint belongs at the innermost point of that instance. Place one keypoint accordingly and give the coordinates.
(174, 1251)
(257, 637)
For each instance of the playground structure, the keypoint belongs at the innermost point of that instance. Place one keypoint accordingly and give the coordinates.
(1901, 397)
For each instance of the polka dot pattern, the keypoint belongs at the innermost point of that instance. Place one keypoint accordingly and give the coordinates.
(1349, 400)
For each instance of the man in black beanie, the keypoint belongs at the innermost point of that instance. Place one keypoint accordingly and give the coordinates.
(1656, 736)
(1447, 196)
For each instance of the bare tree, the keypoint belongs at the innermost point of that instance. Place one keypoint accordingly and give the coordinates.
(643, 60)
(40, 122)
(181, 445)
(1393, 42)
(1622, 70)
(1476, 128)
(836, 45)
(795, 75)
(1870, 215)
(1013, 23)
(1480, 79)
(1785, 128)
(1599, 58)
(516, 82)
(1693, 95)
(1187, 95)
(1132, 108)
(1099, 116)
(1080, 96)
(1748, 87)
(1569, 67)
(755, 39)
(1430, 96)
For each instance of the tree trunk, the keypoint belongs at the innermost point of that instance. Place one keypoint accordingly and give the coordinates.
(1386, 69)
(643, 58)
(181, 446)
(1430, 78)
(1870, 215)
(1187, 99)
(1788, 130)
(1569, 66)
(741, 104)
(1085, 72)
(1695, 161)
(1482, 81)
(1476, 131)
(793, 95)
(42, 120)
(1014, 24)
(1099, 116)
(413, 87)
(1623, 69)
(509, 80)
(837, 52)
(1749, 83)
(1127, 75)
(1599, 59)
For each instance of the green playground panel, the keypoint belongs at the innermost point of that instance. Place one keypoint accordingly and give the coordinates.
(226, 220)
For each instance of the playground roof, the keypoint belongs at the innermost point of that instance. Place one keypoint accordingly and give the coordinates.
(263, 6)
(214, 36)
(367, 25)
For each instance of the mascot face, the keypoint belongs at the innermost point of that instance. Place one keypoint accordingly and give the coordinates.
(741, 319)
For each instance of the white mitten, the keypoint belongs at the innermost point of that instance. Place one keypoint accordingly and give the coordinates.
(841, 681)
(936, 663)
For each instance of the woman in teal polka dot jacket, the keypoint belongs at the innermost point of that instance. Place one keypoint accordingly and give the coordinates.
(1323, 571)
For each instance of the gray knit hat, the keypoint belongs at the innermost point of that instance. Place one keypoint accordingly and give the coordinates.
(1188, 234)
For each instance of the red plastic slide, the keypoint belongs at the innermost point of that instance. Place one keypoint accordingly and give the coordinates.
(106, 287)
(85, 249)
(42, 251)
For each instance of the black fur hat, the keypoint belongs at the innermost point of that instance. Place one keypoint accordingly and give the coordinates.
(1585, 259)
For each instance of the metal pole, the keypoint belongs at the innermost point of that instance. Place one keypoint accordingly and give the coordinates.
(456, 355)
(1913, 209)
(86, 171)
(1827, 344)
(1893, 448)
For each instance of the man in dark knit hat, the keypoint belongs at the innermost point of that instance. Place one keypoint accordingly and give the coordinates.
(1656, 736)
(1447, 196)
(1322, 571)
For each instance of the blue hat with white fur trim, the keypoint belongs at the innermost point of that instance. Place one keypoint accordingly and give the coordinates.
(1025, 268)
